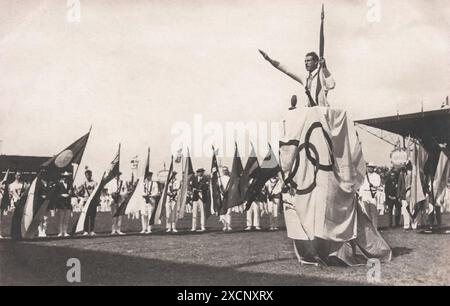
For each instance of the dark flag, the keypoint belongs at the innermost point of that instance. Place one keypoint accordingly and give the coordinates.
(31, 205)
(216, 187)
(156, 219)
(269, 168)
(232, 196)
(147, 165)
(70, 155)
(187, 174)
(4, 205)
(16, 221)
(122, 208)
(113, 170)
(251, 166)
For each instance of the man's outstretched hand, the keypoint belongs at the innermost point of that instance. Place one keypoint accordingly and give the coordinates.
(267, 58)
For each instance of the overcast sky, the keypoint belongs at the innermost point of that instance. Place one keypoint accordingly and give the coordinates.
(133, 69)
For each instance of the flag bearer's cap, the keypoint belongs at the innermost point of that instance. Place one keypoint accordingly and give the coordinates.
(200, 170)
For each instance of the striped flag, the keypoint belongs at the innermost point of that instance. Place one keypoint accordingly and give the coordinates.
(5, 202)
(94, 197)
(188, 172)
(268, 169)
(162, 201)
(122, 210)
(233, 196)
(33, 208)
(440, 180)
(247, 177)
(216, 186)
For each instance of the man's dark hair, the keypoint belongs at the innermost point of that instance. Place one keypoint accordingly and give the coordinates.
(313, 55)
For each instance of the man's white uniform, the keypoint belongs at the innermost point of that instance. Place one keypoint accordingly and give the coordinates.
(171, 204)
(226, 219)
(16, 190)
(149, 191)
(274, 198)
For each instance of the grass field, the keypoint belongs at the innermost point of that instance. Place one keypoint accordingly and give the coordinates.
(211, 258)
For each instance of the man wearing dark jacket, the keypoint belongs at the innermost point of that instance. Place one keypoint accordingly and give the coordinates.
(392, 201)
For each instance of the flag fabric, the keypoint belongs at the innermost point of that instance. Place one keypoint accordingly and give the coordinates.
(94, 197)
(247, 176)
(415, 192)
(268, 169)
(162, 201)
(28, 211)
(187, 174)
(216, 187)
(30, 206)
(16, 221)
(70, 155)
(113, 169)
(440, 181)
(122, 210)
(92, 201)
(321, 162)
(5, 202)
(233, 195)
(147, 165)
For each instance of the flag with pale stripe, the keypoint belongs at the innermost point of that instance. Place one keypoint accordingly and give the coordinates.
(156, 219)
(188, 172)
(233, 195)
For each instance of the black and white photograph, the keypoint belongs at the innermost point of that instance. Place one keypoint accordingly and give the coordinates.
(204, 145)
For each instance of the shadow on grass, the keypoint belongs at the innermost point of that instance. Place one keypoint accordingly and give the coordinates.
(400, 251)
(33, 264)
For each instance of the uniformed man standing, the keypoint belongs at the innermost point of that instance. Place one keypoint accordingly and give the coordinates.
(63, 205)
(198, 187)
(17, 188)
(273, 187)
(254, 213)
(393, 203)
(118, 194)
(150, 194)
(225, 219)
(318, 82)
(86, 189)
(171, 204)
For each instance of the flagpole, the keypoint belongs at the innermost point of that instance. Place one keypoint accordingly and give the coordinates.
(78, 165)
(218, 172)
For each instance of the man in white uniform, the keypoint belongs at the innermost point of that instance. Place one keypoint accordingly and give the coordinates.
(174, 185)
(368, 194)
(225, 219)
(198, 187)
(16, 188)
(274, 195)
(318, 82)
(85, 191)
(150, 192)
(118, 193)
